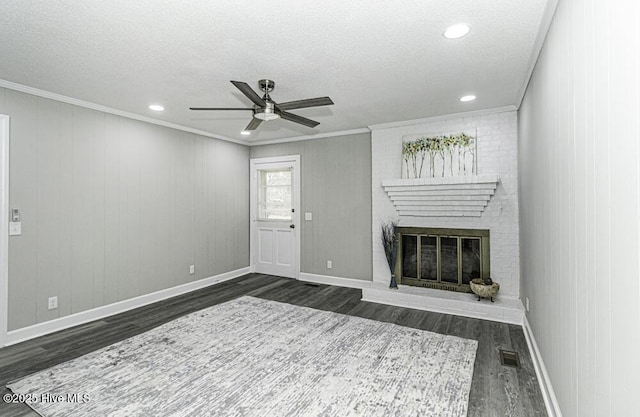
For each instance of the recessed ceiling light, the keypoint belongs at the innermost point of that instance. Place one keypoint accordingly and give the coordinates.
(245, 133)
(467, 98)
(156, 107)
(456, 31)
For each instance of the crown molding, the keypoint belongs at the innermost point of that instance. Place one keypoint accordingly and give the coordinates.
(472, 113)
(311, 137)
(545, 25)
(93, 106)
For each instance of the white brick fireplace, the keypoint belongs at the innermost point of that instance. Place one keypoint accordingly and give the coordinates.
(496, 156)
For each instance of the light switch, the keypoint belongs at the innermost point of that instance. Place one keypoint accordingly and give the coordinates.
(15, 228)
(308, 216)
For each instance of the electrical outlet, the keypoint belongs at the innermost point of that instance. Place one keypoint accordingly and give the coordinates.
(329, 264)
(15, 228)
(526, 302)
(53, 303)
(192, 269)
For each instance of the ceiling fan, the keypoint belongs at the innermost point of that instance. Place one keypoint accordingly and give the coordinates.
(266, 109)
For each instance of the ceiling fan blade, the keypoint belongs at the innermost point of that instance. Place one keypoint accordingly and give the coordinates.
(253, 124)
(248, 91)
(219, 108)
(298, 119)
(300, 104)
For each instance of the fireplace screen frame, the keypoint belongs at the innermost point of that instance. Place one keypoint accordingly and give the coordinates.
(439, 233)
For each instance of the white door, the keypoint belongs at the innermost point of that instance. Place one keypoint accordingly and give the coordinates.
(275, 216)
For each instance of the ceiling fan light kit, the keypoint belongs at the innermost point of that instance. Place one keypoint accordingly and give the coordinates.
(265, 109)
(266, 113)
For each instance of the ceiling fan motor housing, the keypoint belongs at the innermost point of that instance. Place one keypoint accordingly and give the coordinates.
(266, 85)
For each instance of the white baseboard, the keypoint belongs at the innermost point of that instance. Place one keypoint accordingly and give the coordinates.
(337, 281)
(550, 400)
(41, 329)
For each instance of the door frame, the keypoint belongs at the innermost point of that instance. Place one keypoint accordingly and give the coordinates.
(4, 228)
(262, 163)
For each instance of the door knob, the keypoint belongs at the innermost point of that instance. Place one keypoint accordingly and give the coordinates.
(292, 226)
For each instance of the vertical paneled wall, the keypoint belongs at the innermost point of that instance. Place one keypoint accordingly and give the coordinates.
(113, 208)
(336, 189)
(579, 160)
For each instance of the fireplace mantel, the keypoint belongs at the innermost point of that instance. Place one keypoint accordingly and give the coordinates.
(465, 196)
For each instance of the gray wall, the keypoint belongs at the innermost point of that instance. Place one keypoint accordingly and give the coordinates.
(336, 189)
(579, 160)
(113, 208)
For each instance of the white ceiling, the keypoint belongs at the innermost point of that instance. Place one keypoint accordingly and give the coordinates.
(380, 61)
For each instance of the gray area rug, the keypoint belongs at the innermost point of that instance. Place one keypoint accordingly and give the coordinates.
(253, 357)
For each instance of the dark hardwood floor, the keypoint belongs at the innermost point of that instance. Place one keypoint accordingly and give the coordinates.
(496, 390)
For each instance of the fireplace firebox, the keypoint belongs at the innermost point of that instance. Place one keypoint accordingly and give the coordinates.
(439, 258)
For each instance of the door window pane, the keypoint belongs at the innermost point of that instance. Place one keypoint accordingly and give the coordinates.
(275, 194)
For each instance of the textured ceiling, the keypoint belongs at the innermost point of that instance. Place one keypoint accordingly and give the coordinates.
(379, 61)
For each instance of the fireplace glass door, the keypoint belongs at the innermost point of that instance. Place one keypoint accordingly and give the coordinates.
(443, 258)
(429, 258)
